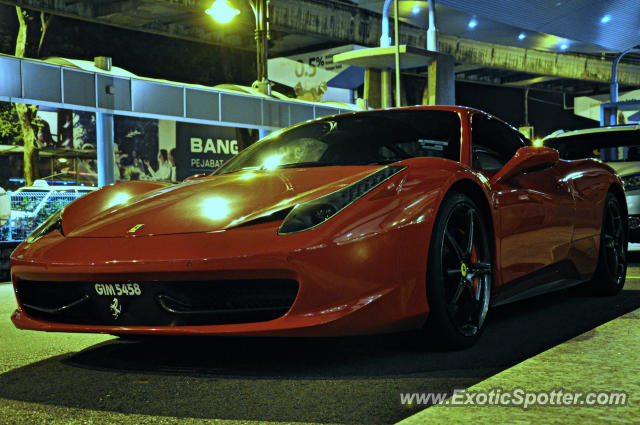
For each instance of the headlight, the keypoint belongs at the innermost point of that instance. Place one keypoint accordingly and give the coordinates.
(631, 182)
(313, 213)
(54, 222)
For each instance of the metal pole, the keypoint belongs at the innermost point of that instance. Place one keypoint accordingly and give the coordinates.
(526, 106)
(397, 54)
(261, 12)
(258, 45)
(267, 37)
(613, 89)
(385, 40)
(433, 43)
(385, 88)
(106, 159)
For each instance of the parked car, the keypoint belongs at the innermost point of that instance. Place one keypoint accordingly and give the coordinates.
(376, 221)
(618, 147)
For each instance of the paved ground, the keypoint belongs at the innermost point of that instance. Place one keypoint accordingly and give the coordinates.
(589, 363)
(83, 379)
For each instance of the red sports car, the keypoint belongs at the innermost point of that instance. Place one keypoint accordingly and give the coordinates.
(377, 221)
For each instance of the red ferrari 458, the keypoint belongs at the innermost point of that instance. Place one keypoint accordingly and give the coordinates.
(377, 221)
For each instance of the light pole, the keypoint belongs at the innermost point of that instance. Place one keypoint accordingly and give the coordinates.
(222, 12)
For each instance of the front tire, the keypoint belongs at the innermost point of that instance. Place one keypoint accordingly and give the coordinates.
(459, 273)
(612, 257)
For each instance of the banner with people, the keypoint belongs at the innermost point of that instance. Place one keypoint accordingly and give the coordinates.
(145, 149)
(203, 148)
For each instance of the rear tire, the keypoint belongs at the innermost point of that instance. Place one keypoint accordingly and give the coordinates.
(459, 274)
(612, 256)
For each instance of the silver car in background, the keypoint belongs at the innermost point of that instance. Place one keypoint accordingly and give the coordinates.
(617, 146)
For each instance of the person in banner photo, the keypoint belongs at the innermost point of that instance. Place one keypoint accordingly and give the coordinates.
(164, 167)
(172, 160)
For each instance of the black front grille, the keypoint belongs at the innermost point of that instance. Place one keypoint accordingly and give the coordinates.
(158, 303)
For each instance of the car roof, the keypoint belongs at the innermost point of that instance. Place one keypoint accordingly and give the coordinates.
(452, 108)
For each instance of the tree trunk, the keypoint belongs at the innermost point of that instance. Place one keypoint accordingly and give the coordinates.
(30, 138)
(21, 40)
(26, 114)
(44, 24)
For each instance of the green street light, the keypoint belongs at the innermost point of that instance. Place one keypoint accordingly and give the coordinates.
(222, 12)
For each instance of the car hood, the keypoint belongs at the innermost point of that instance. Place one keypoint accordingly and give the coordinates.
(212, 203)
(625, 168)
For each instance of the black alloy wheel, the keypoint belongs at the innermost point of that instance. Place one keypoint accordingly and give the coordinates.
(612, 258)
(460, 273)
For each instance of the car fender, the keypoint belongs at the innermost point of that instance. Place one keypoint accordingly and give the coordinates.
(433, 179)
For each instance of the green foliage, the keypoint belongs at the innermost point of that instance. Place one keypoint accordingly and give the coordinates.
(10, 130)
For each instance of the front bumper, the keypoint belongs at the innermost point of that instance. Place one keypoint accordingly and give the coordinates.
(348, 287)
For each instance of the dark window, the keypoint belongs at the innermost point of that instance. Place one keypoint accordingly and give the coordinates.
(356, 139)
(493, 143)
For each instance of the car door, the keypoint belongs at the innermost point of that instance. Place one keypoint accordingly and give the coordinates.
(535, 210)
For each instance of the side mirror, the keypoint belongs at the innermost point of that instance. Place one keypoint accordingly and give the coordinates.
(526, 159)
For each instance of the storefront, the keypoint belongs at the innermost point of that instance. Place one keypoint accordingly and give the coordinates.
(97, 127)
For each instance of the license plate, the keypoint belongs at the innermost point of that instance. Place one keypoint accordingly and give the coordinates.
(118, 289)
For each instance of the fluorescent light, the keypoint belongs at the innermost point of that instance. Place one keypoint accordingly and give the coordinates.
(522, 36)
(472, 23)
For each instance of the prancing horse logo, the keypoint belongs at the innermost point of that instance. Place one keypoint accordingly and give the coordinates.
(116, 308)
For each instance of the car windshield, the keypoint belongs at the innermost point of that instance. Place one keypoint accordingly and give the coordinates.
(378, 137)
(610, 146)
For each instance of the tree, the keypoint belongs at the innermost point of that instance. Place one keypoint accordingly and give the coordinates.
(27, 114)
(10, 130)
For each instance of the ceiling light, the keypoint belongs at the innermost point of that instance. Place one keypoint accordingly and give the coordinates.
(472, 23)
(605, 19)
(522, 36)
(416, 9)
(564, 46)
